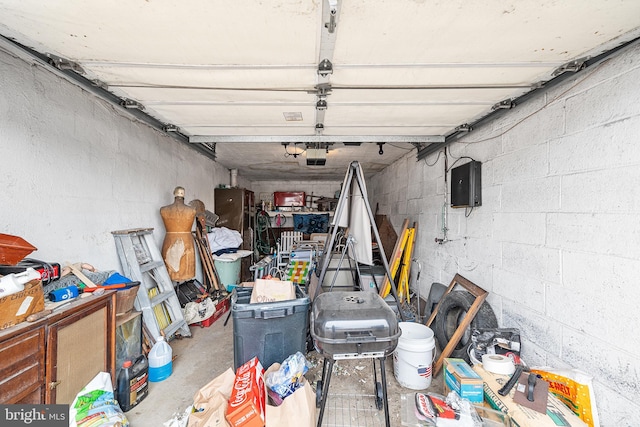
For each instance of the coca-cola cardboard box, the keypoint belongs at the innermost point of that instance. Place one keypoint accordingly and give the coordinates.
(246, 407)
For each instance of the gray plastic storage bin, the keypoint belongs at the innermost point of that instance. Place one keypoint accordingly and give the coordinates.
(272, 331)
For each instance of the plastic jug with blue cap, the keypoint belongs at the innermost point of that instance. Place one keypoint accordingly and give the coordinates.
(160, 360)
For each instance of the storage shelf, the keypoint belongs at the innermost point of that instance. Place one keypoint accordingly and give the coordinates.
(290, 213)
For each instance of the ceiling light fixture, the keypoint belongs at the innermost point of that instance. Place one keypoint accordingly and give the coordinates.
(295, 153)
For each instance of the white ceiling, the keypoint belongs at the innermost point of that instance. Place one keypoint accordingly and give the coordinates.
(404, 72)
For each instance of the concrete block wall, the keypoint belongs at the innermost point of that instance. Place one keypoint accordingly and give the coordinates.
(73, 168)
(556, 241)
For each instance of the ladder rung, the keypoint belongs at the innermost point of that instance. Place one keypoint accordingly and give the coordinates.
(172, 328)
(150, 266)
(160, 298)
(132, 232)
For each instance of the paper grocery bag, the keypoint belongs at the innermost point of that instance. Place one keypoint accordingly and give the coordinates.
(210, 402)
(297, 410)
(272, 290)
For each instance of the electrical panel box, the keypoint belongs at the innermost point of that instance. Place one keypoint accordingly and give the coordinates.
(466, 185)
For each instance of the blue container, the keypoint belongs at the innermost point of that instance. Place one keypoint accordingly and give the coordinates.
(63, 294)
(160, 373)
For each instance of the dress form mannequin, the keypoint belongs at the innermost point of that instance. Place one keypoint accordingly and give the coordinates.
(178, 250)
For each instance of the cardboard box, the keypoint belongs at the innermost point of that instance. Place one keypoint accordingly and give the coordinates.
(558, 414)
(15, 308)
(246, 407)
(459, 377)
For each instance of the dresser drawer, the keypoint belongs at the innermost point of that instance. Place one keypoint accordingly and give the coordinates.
(22, 366)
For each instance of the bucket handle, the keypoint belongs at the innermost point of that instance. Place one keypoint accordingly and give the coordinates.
(433, 358)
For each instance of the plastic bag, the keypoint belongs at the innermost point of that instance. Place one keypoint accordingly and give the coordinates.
(287, 379)
(96, 406)
(575, 389)
(195, 312)
(433, 409)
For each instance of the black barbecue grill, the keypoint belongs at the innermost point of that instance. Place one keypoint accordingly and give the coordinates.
(353, 325)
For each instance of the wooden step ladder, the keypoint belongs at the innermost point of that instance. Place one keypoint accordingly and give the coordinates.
(141, 261)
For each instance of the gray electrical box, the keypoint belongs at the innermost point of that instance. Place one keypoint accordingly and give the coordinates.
(466, 185)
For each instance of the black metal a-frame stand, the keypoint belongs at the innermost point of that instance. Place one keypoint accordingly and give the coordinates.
(347, 192)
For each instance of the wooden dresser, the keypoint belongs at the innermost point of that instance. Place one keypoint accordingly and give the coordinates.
(50, 360)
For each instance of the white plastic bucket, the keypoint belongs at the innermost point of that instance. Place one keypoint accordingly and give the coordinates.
(413, 356)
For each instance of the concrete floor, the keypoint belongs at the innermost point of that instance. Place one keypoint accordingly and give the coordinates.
(209, 352)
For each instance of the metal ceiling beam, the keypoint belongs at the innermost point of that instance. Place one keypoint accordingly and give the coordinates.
(326, 89)
(319, 105)
(328, 35)
(300, 125)
(431, 139)
(233, 67)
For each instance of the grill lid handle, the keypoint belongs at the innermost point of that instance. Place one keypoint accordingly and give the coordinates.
(360, 336)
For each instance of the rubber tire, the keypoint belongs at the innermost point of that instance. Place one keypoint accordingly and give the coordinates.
(379, 395)
(451, 311)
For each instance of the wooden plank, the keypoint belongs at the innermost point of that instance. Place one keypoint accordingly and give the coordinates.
(388, 236)
(396, 257)
(75, 269)
(204, 251)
